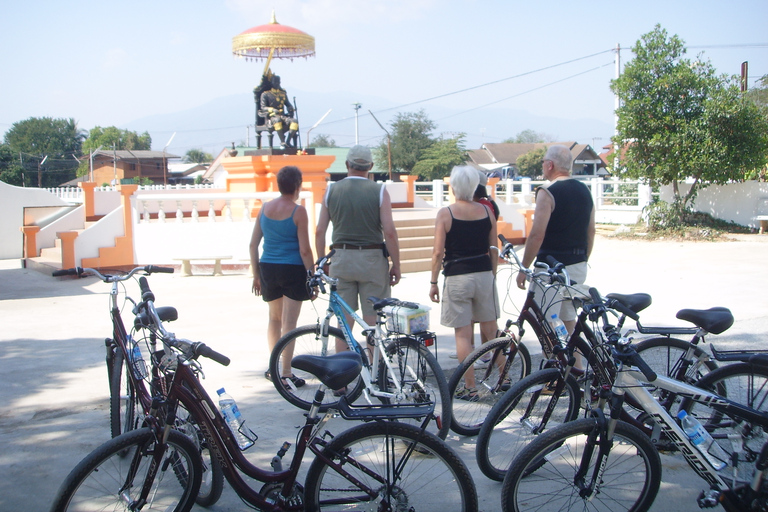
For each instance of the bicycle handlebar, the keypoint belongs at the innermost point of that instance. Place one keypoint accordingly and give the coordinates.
(110, 278)
(551, 268)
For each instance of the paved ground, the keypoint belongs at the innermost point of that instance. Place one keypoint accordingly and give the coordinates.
(53, 389)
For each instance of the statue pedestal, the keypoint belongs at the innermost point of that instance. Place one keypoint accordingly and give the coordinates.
(259, 173)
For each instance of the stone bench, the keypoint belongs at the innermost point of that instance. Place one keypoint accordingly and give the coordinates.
(186, 263)
(761, 214)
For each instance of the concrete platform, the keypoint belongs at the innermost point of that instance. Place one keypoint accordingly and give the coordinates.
(54, 395)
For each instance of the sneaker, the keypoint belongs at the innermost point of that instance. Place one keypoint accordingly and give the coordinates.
(468, 395)
(482, 363)
(453, 355)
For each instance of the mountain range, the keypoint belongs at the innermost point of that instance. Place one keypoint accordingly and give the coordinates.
(223, 121)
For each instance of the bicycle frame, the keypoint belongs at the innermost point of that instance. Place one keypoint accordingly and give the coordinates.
(340, 309)
(632, 382)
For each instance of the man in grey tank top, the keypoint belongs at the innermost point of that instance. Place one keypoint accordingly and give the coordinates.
(363, 235)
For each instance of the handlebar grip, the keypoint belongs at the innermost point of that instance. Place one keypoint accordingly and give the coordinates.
(146, 293)
(503, 239)
(553, 263)
(596, 299)
(624, 310)
(638, 361)
(201, 349)
(158, 270)
(67, 272)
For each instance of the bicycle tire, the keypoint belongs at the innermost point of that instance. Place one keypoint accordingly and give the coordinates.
(416, 368)
(743, 383)
(431, 477)
(95, 483)
(122, 397)
(504, 432)
(663, 353)
(467, 416)
(212, 476)
(308, 340)
(542, 477)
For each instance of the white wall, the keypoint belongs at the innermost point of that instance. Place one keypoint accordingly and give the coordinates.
(735, 202)
(13, 200)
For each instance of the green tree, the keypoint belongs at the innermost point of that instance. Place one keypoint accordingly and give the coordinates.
(529, 164)
(10, 169)
(529, 136)
(678, 120)
(411, 135)
(197, 156)
(48, 148)
(759, 93)
(322, 141)
(438, 159)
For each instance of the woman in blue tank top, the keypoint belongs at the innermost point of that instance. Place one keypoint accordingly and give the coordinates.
(280, 272)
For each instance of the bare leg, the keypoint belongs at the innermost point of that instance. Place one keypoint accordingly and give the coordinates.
(464, 337)
(291, 310)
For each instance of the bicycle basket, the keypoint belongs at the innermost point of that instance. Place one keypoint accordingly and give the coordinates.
(407, 320)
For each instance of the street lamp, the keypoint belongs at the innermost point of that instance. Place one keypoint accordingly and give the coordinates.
(356, 106)
(91, 159)
(389, 144)
(40, 172)
(309, 141)
(165, 165)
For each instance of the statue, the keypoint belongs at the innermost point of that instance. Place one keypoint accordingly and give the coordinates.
(276, 112)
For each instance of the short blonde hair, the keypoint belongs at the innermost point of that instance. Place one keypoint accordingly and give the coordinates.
(464, 180)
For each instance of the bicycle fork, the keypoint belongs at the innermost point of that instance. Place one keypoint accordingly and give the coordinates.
(601, 438)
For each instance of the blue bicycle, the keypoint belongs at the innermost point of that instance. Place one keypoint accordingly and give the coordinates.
(398, 366)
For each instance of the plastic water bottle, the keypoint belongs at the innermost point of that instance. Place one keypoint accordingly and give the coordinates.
(233, 418)
(702, 440)
(136, 359)
(559, 327)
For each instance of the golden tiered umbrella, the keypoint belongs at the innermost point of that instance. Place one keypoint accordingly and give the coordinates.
(273, 40)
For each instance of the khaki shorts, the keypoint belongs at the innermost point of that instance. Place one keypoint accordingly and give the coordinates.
(469, 297)
(552, 301)
(362, 274)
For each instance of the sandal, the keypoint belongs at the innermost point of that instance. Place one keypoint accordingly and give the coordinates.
(468, 395)
(268, 375)
(506, 384)
(296, 381)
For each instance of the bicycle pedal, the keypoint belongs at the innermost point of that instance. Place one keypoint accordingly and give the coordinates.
(708, 499)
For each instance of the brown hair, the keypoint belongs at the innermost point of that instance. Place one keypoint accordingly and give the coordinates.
(289, 179)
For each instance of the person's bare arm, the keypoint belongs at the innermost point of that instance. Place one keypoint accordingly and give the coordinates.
(254, 250)
(302, 227)
(591, 233)
(322, 227)
(390, 237)
(541, 214)
(438, 252)
(493, 241)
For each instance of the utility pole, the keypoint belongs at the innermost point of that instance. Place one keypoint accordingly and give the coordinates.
(389, 144)
(356, 106)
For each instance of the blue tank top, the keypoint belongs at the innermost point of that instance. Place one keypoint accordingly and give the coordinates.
(281, 240)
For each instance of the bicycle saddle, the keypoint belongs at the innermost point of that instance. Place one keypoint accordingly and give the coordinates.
(166, 314)
(634, 301)
(335, 371)
(382, 303)
(714, 320)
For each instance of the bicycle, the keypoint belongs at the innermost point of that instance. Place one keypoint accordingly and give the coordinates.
(398, 367)
(604, 463)
(504, 360)
(380, 464)
(556, 393)
(131, 395)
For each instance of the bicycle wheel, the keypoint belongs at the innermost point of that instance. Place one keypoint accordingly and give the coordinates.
(530, 407)
(122, 397)
(487, 363)
(544, 475)
(107, 480)
(308, 340)
(212, 479)
(664, 355)
(421, 380)
(746, 384)
(372, 467)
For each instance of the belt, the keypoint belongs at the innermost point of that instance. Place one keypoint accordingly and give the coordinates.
(356, 247)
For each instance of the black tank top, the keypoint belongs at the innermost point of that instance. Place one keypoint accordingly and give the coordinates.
(466, 246)
(566, 236)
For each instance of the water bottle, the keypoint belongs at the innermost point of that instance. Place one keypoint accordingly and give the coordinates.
(702, 440)
(559, 327)
(137, 361)
(234, 419)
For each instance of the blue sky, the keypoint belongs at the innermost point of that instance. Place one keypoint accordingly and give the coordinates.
(111, 63)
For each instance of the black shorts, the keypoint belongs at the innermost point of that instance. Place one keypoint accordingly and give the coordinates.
(280, 279)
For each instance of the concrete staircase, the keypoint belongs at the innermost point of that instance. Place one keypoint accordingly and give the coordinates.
(416, 233)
